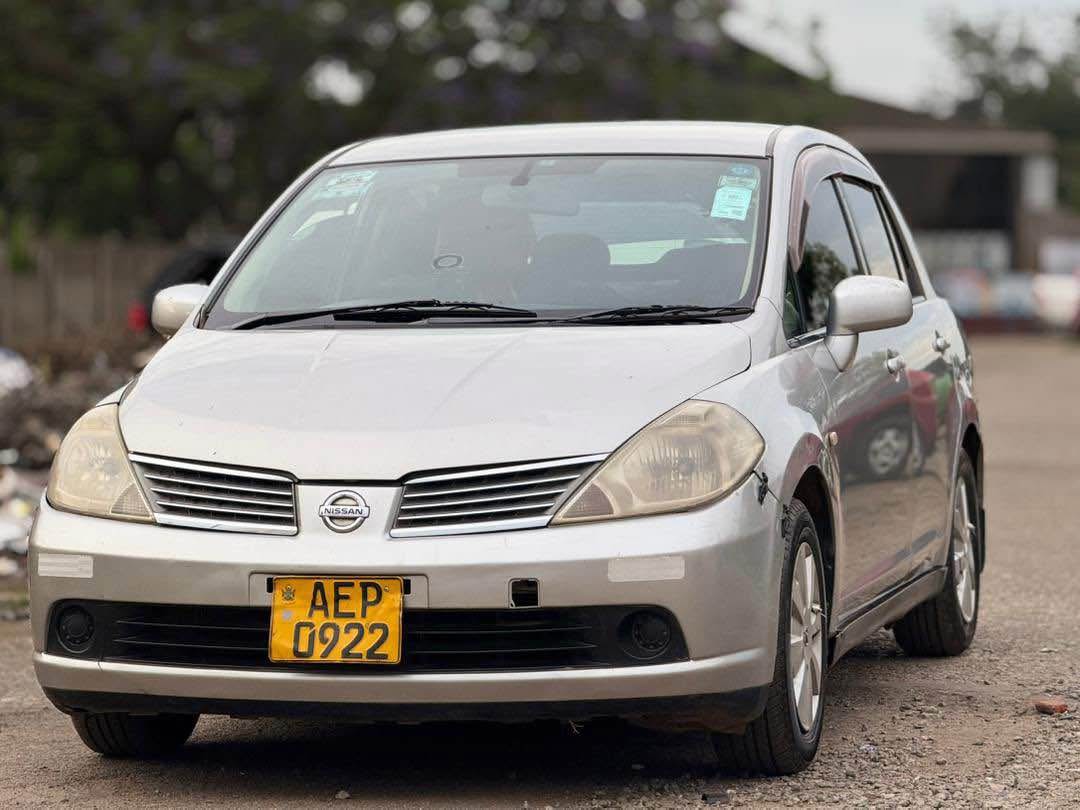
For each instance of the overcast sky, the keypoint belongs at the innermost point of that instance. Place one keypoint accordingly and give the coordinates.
(890, 50)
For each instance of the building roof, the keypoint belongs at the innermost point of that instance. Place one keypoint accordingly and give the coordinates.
(881, 128)
(957, 140)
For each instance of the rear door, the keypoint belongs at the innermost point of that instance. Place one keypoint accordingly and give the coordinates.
(869, 415)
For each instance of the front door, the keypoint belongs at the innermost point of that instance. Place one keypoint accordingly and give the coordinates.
(869, 420)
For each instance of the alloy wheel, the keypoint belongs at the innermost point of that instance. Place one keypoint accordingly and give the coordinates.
(963, 553)
(806, 647)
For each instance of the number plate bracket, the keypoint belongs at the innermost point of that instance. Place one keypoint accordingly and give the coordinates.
(341, 620)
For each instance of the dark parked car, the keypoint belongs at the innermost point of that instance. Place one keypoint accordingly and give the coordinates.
(192, 265)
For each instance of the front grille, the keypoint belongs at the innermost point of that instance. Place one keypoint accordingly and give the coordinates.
(207, 496)
(433, 640)
(511, 497)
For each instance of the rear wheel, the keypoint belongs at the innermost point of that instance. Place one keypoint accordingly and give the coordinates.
(115, 734)
(784, 739)
(945, 625)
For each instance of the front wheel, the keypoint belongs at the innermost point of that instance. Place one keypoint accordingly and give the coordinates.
(946, 624)
(115, 734)
(784, 739)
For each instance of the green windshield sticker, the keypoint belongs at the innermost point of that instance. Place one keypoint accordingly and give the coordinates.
(347, 184)
(731, 202)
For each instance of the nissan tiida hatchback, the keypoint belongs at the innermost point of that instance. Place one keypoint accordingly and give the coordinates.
(651, 420)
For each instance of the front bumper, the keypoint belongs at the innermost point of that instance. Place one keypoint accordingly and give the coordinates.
(717, 570)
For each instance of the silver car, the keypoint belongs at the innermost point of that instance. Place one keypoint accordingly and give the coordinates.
(646, 420)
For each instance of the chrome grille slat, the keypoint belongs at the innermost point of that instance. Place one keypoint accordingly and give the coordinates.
(508, 469)
(180, 493)
(474, 512)
(224, 510)
(513, 484)
(516, 496)
(168, 479)
(152, 461)
(472, 475)
(490, 499)
(206, 496)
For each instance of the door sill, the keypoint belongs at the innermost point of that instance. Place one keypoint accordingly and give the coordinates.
(886, 609)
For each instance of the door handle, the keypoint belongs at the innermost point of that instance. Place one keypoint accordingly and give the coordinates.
(894, 364)
(941, 344)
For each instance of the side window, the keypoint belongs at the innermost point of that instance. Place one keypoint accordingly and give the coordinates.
(792, 315)
(877, 246)
(828, 255)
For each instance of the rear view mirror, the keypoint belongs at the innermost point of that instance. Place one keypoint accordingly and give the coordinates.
(523, 198)
(173, 305)
(863, 304)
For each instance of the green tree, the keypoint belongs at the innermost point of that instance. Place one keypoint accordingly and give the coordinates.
(155, 117)
(1016, 83)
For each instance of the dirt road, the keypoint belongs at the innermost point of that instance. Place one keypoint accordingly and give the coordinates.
(900, 732)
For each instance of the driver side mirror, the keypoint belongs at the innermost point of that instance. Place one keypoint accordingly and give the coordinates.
(173, 305)
(863, 304)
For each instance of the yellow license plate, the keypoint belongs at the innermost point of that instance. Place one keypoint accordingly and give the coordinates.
(342, 620)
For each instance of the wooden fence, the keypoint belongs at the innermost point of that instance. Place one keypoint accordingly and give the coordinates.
(74, 289)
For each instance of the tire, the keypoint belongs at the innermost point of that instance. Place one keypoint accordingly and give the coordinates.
(779, 742)
(122, 735)
(945, 625)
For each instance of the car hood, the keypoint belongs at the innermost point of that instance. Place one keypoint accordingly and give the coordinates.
(376, 404)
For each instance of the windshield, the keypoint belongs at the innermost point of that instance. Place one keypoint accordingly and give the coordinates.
(558, 236)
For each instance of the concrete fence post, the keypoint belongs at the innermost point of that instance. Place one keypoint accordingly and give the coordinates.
(7, 298)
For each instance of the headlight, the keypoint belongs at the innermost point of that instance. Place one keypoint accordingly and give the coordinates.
(695, 454)
(91, 473)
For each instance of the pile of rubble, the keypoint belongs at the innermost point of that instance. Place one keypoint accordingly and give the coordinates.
(37, 406)
(35, 415)
(19, 494)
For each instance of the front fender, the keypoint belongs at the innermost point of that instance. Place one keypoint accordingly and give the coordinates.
(784, 397)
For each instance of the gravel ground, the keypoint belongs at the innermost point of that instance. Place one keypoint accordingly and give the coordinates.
(899, 732)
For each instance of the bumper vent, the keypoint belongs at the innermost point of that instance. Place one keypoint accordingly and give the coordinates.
(520, 496)
(225, 499)
(433, 640)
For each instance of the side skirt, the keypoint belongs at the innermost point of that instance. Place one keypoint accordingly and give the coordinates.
(886, 609)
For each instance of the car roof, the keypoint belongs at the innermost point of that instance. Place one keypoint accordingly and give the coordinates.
(612, 138)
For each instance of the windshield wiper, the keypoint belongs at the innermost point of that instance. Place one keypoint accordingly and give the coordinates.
(658, 313)
(418, 310)
(399, 311)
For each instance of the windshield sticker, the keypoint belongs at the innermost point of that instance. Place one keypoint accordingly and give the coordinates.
(731, 202)
(348, 184)
(742, 182)
(742, 170)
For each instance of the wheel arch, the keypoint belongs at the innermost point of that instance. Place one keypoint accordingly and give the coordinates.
(812, 489)
(972, 444)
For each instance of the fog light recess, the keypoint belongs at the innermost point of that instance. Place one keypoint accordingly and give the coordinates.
(644, 634)
(75, 630)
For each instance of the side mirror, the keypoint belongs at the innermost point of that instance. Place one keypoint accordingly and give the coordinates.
(863, 304)
(173, 305)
